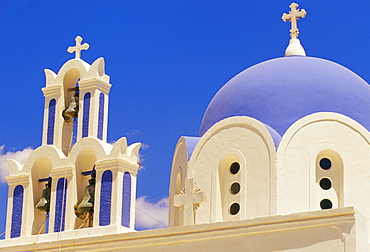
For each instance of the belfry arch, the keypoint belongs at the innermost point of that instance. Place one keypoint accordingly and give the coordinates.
(70, 125)
(85, 162)
(40, 171)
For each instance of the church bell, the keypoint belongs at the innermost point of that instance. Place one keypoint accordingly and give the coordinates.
(44, 203)
(73, 108)
(87, 203)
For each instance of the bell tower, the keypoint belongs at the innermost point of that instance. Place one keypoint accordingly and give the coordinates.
(76, 101)
(75, 181)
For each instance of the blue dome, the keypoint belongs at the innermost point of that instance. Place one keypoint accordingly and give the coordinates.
(279, 92)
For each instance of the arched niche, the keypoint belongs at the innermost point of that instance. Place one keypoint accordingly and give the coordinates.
(329, 180)
(178, 214)
(17, 213)
(230, 171)
(105, 198)
(40, 169)
(51, 122)
(126, 200)
(60, 204)
(85, 161)
(70, 80)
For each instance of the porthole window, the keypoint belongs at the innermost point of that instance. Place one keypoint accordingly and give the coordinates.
(325, 183)
(234, 208)
(234, 168)
(235, 188)
(325, 163)
(326, 204)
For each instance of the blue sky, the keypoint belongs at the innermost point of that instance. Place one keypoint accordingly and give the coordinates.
(166, 60)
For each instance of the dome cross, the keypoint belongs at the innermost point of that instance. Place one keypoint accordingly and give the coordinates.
(78, 47)
(292, 17)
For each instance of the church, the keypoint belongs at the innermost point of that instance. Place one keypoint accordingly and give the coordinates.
(279, 164)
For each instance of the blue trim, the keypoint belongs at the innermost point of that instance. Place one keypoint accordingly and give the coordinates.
(60, 205)
(51, 122)
(105, 198)
(101, 116)
(17, 212)
(126, 200)
(191, 143)
(86, 115)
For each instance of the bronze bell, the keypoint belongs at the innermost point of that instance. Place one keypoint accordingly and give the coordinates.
(44, 203)
(73, 108)
(87, 203)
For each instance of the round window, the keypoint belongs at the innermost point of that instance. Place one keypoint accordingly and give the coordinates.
(326, 204)
(234, 208)
(325, 163)
(234, 168)
(235, 188)
(325, 183)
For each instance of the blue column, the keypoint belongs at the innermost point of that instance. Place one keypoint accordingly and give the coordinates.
(17, 212)
(126, 200)
(86, 115)
(101, 116)
(60, 205)
(51, 122)
(105, 198)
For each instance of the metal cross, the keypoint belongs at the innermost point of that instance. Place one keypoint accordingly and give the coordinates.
(292, 17)
(78, 47)
(189, 201)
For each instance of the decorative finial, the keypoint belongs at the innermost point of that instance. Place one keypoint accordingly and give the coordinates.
(294, 47)
(292, 17)
(78, 47)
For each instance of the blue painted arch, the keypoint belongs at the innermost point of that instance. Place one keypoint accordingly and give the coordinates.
(105, 198)
(101, 116)
(126, 200)
(60, 205)
(17, 211)
(86, 115)
(51, 122)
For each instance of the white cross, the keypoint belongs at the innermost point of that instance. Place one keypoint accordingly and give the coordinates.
(292, 17)
(78, 47)
(189, 201)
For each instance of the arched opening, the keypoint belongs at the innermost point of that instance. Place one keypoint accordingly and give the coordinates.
(85, 163)
(229, 172)
(329, 180)
(71, 108)
(41, 182)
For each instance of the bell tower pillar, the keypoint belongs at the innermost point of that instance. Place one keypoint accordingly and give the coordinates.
(93, 118)
(53, 103)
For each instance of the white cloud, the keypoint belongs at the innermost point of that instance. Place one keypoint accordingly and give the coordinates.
(141, 155)
(133, 133)
(151, 215)
(20, 156)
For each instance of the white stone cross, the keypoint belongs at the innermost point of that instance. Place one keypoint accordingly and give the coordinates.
(292, 17)
(78, 47)
(189, 201)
